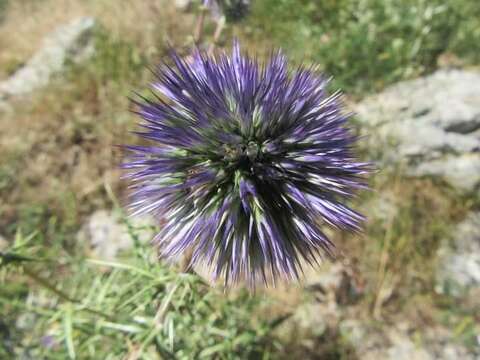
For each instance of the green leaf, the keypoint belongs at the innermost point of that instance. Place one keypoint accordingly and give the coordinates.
(68, 328)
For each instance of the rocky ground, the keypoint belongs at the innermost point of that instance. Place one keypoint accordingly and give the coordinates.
(428, 127)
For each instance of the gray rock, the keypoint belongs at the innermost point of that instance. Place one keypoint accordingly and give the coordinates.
(462, 172)
(327, 278)
(331, 286)
(308, 322)
(312, 318)
(397, 343)
(404, 349)
(430, 125)
(71, 42)
(417, 142)
(459, 265)
(108, 235)
(334, 285)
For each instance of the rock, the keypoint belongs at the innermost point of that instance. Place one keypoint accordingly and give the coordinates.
(431, 125)
(368, 343)
(71, 42)
(309, 321)
(335, 284)
(332, 287)
(396, 343)
(108, 235)
(404, 349)
(463, 171)
(459, 265)
(312, 318)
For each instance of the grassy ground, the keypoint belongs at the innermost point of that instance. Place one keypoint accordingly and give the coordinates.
(58, 164)
(369, 44)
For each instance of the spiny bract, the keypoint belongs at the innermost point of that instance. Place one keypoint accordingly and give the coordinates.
(247, 162)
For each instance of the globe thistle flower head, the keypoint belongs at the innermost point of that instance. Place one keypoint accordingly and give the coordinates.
(247, 163)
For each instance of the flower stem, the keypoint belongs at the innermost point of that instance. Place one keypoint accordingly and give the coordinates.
(197, 36)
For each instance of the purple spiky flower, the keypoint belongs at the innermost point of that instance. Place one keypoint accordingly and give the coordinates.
(247, 163)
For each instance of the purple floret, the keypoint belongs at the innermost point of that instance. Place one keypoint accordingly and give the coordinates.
(247, 163)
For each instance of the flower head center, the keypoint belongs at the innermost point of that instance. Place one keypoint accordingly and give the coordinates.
(243, 154)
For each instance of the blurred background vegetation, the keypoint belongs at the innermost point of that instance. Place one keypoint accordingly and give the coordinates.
(368, 44)
(59, 163)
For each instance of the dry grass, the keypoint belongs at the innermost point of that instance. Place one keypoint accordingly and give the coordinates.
(58, 145)
(397, 255)
(148, 24)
